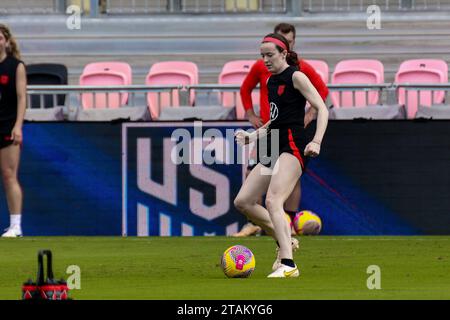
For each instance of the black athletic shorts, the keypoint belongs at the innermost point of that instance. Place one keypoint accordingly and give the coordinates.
(5, 133)
(5, 140)
(290, 139)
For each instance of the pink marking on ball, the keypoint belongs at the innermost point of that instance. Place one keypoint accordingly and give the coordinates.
(240, 262)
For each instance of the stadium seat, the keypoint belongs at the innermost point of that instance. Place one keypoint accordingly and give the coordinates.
(105, 74)
(357, 72)
(421, 71)
(170, 73)
(321, 68)
(47, 74)
(234, 72)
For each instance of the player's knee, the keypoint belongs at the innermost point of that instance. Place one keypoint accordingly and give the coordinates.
(8, 175)
(272, 202)
(240, 203)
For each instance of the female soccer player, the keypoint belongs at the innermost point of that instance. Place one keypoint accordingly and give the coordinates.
(12, 111)
(259, 74)
(289, 89)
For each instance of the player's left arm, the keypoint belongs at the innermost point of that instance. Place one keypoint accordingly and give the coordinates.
(302, 84)
(21, 88)
(318, 83)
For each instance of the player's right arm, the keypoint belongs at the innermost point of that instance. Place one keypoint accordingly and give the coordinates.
(250, 82)
(304, 85)
(243, 137)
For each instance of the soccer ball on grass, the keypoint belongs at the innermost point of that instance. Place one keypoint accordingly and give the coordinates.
(238, 262)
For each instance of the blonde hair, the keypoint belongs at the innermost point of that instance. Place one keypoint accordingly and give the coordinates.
(13, 48)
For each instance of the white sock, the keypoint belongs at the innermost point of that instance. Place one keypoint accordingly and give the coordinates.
(15, 220)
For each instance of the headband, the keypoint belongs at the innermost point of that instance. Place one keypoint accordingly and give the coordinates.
(275, 41)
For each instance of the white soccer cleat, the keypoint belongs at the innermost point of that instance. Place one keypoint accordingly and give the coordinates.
(277, 263)
(285, 272)
(12, 232)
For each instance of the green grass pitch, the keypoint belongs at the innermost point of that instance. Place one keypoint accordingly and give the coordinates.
(189, 268)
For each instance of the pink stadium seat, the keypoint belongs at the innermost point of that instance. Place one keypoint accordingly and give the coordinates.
(105, 74)
(234, 72)
(421, 71)
(170, 73)
(357, 72)
(321, 68)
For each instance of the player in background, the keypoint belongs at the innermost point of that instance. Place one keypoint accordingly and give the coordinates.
(258, 75)
(13, 83)
(288, 91)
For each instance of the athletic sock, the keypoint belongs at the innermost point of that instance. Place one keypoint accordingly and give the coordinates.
(291, 214)
(288, 262)
(15, 220)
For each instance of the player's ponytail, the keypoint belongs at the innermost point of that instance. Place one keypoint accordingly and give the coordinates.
(292, 58)
(13, 48)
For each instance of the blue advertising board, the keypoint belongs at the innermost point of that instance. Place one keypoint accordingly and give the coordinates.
(180, 180)
(83, 179)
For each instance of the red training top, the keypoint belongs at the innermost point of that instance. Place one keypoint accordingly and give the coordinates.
(259, 74)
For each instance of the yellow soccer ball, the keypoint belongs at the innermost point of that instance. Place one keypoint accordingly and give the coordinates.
(288, 219)
(307, 223)
(238, 262)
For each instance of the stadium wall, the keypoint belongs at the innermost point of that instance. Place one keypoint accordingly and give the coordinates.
(372, 178)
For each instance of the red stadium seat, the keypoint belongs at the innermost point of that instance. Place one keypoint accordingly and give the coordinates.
(357, 72)
(421, 71)
(321, 68)
(105, 74)
(234, 72)
(170, 73)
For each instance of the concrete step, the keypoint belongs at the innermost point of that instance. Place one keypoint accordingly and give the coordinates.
(256, 26)
(132, 47)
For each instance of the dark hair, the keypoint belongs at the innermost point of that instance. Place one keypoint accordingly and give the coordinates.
(13, 49)
(292, 57)
(284, 28)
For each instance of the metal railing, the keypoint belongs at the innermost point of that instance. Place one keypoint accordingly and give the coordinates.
(31, 7)
(18, 7)
(94, 7)
(196, 6)
(384, 92)
(296, 7)
(212, 94)
(386, 5)
(140, 6)
(99, 96)
(417, 94)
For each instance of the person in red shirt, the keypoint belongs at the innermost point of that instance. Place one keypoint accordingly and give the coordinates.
(259, 75)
